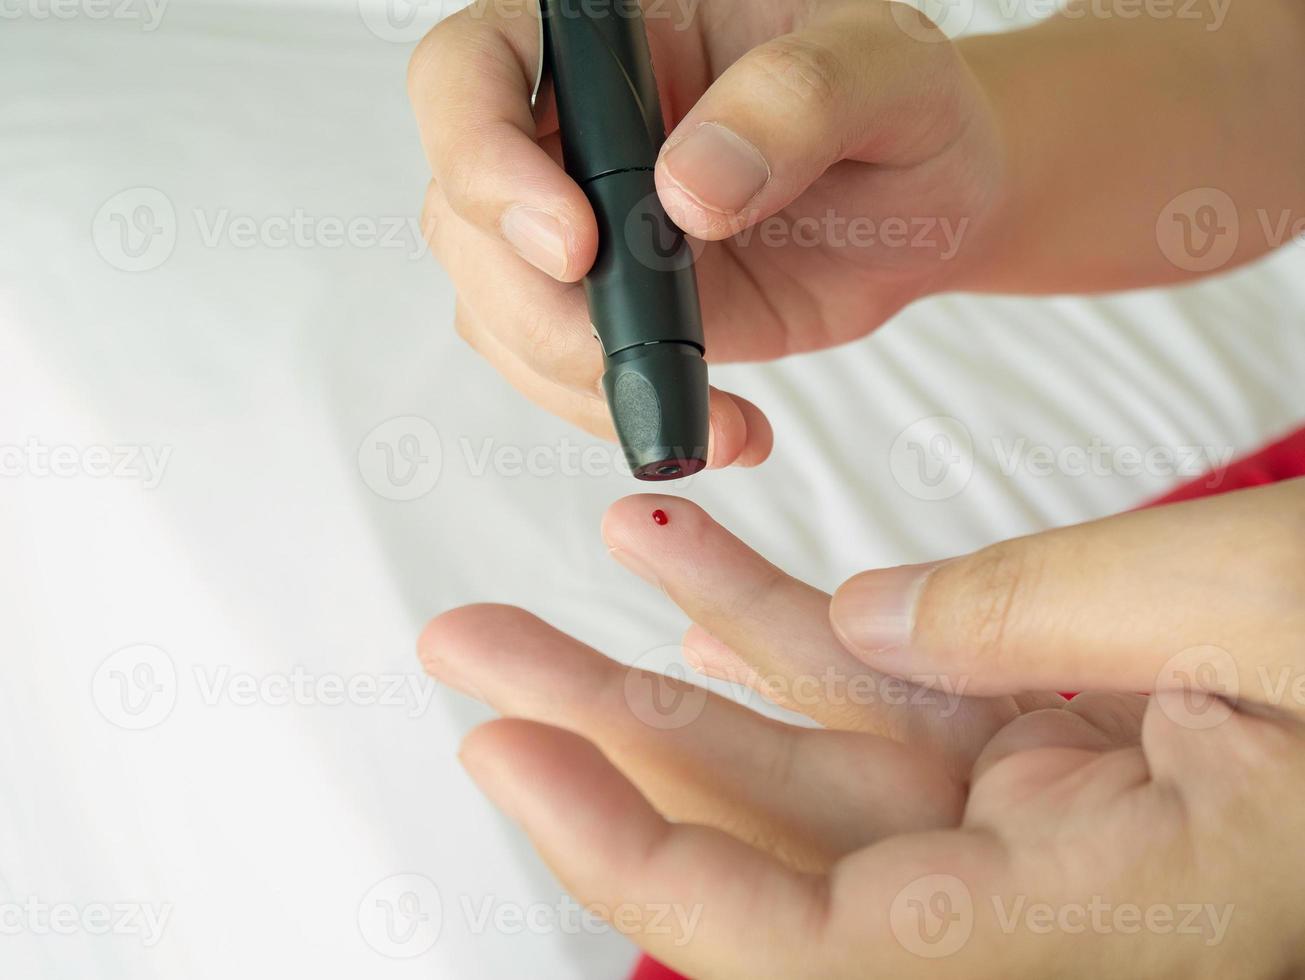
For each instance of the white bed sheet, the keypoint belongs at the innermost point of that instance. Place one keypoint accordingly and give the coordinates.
(265, 828)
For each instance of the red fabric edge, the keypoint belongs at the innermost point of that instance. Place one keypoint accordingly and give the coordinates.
(1281, 460)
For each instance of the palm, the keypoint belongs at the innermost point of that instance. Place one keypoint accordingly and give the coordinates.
(879, 229)
(847, 838)
(890, 756)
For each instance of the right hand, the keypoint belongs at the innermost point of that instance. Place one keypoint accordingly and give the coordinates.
(802, 135)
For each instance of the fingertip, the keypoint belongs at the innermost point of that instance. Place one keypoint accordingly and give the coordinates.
(728, 436)
(446, 632)
(510, 760)
(632, 521)
(483, 746)
(691, 217)
(741, 435)
(761, 435)
(546, 236)
(581, 240)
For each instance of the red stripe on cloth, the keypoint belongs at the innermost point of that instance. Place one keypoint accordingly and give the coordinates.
(1282, 460)
(650, 969)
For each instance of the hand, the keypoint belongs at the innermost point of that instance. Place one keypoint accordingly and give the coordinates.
(839, 157)
(968, 829)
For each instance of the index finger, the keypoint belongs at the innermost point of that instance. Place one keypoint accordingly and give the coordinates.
(470, 81)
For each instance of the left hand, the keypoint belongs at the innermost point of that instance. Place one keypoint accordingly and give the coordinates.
(956, 825)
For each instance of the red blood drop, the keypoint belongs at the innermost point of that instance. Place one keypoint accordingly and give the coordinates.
(659, 517)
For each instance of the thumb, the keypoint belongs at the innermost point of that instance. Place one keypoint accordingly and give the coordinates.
(849, 84)
(1210, 593)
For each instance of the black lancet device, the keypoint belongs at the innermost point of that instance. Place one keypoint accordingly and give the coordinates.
(642, 290)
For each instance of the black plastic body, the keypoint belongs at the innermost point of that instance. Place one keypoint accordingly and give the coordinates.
(642, 290)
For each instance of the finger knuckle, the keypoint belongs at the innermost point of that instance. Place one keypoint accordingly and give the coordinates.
(750, 603)
(543, 334)
(461, 173)
(802, 69)
(444, 46)
(428, 55)
(997, 581)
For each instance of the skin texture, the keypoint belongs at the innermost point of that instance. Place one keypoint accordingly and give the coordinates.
(898, 165)
(855, 118)
(971, 834)
(951, 817)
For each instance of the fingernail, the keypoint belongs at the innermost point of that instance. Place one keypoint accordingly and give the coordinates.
(538, 237)
(874, 612)
(717, 168)
(636, 564)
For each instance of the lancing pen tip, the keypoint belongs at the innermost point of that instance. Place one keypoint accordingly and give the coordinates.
(642, 290)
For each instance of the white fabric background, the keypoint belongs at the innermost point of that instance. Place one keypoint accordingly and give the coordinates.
(263, 370)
